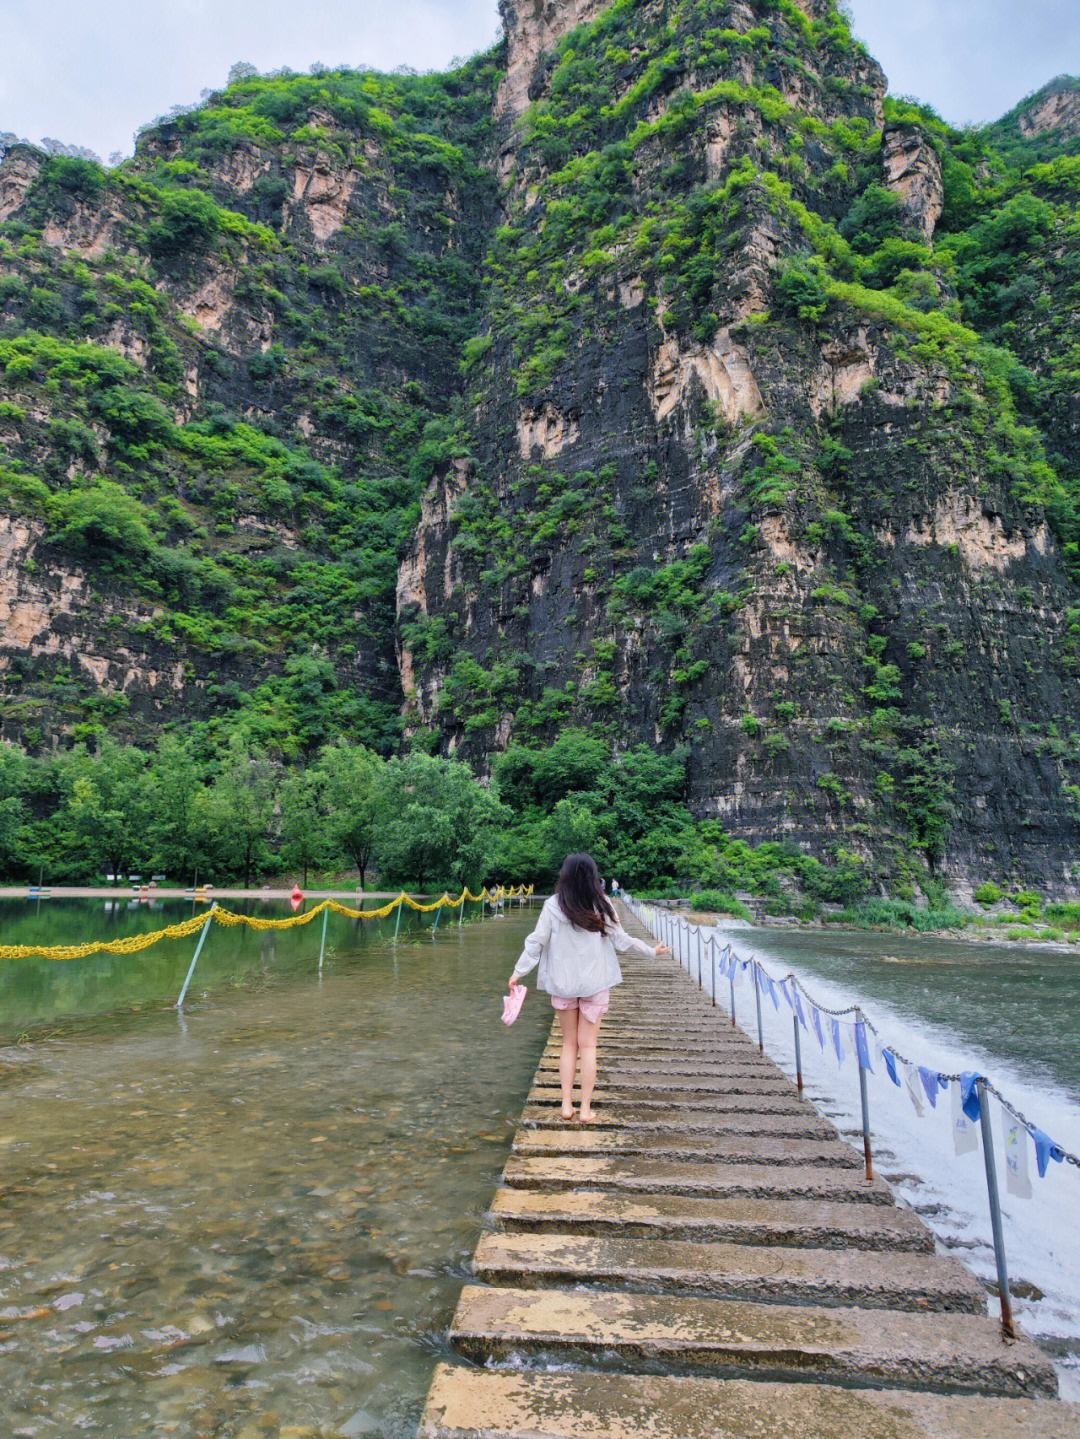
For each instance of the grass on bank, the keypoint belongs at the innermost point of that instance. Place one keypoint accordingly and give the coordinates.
(1031, 919)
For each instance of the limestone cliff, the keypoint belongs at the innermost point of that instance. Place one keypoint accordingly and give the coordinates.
(722, 494)
(655, 373)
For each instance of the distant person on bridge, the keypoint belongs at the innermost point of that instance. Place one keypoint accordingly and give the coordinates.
(576, 943)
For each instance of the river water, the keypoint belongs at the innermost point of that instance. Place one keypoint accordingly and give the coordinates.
(1013, 1013)
(258, 1214)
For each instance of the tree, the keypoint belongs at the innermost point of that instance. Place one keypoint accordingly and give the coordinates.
(544, 776)
(236, 810)
(17, 772)
(175, 790)
(189, 221)
(436, 820)
(351, 779)
(873, 218)
(304, 839)
(105, 521)
(570, 828)
(106, 805)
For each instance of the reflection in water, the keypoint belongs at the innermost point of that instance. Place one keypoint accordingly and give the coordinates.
(256, 1214)
(37, 991)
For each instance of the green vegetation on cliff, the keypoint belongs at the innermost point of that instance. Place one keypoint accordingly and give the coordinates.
(716, 415)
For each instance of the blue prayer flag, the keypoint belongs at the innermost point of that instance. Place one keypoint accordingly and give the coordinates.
(838, 1043)
(930, 1083)
(861, 1047)
(815, 1015)
(799, 1010)
(1045, 1150)
(969, 1095)
(890, 1064)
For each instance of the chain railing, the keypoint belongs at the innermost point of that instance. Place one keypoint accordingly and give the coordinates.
(689, 943)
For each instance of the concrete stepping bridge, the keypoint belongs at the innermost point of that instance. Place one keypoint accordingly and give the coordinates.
(710, 1263)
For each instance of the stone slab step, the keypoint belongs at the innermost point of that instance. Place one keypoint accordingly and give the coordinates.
(735, 1078)
(712, 1032)
(760, 1273)
(750, 1149)
(963, 1352)
(680, 1077)
(693, 1007)
(686, 1067)
(658, 1098)
(815, 1223)
(640, 1174)
(672, 1030)
(803, 1124)
(468, 1403)
(695, 1044)
(692, 1046)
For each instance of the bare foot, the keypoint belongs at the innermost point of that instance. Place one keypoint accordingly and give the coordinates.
(589, 1117)
(568, 1117)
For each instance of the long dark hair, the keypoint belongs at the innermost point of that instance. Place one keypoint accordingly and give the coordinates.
(580, 892)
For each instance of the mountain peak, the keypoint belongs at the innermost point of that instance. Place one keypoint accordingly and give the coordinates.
(1053, 109)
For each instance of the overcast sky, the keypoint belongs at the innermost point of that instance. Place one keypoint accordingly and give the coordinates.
(89, 72)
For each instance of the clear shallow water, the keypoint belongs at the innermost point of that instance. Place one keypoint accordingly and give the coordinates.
(34, 992)
(257, 1214)
(1009, 1011)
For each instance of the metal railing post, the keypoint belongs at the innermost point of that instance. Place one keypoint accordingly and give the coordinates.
(712, 967)
(438, 916)
(757, 1001)
(322, 942)
(1008, 1329)
(731, 986)
(195, 957)
(397, 922)
(864, 1098)
(798, 1054)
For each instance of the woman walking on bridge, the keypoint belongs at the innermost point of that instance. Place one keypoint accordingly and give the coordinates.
(576, 943)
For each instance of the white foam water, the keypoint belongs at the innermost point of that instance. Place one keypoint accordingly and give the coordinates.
(916, 1155)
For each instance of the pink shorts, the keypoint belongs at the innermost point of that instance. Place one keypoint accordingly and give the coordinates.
(592, 1007)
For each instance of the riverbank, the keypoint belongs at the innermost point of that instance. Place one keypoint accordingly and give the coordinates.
(1011, 929)
(978, 933)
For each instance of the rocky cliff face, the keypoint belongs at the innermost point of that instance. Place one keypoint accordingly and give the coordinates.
(683, 372)
(724, 496)
(218, 363)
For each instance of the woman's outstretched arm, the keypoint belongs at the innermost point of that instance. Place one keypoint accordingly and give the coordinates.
(533, 947)
(626, 943)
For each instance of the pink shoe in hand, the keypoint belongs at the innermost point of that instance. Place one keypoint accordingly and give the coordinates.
(513, 1002)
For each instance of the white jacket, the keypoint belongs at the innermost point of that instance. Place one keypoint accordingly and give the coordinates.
(575, 962)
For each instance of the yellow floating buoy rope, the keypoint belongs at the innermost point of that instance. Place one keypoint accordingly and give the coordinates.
(136, 943)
